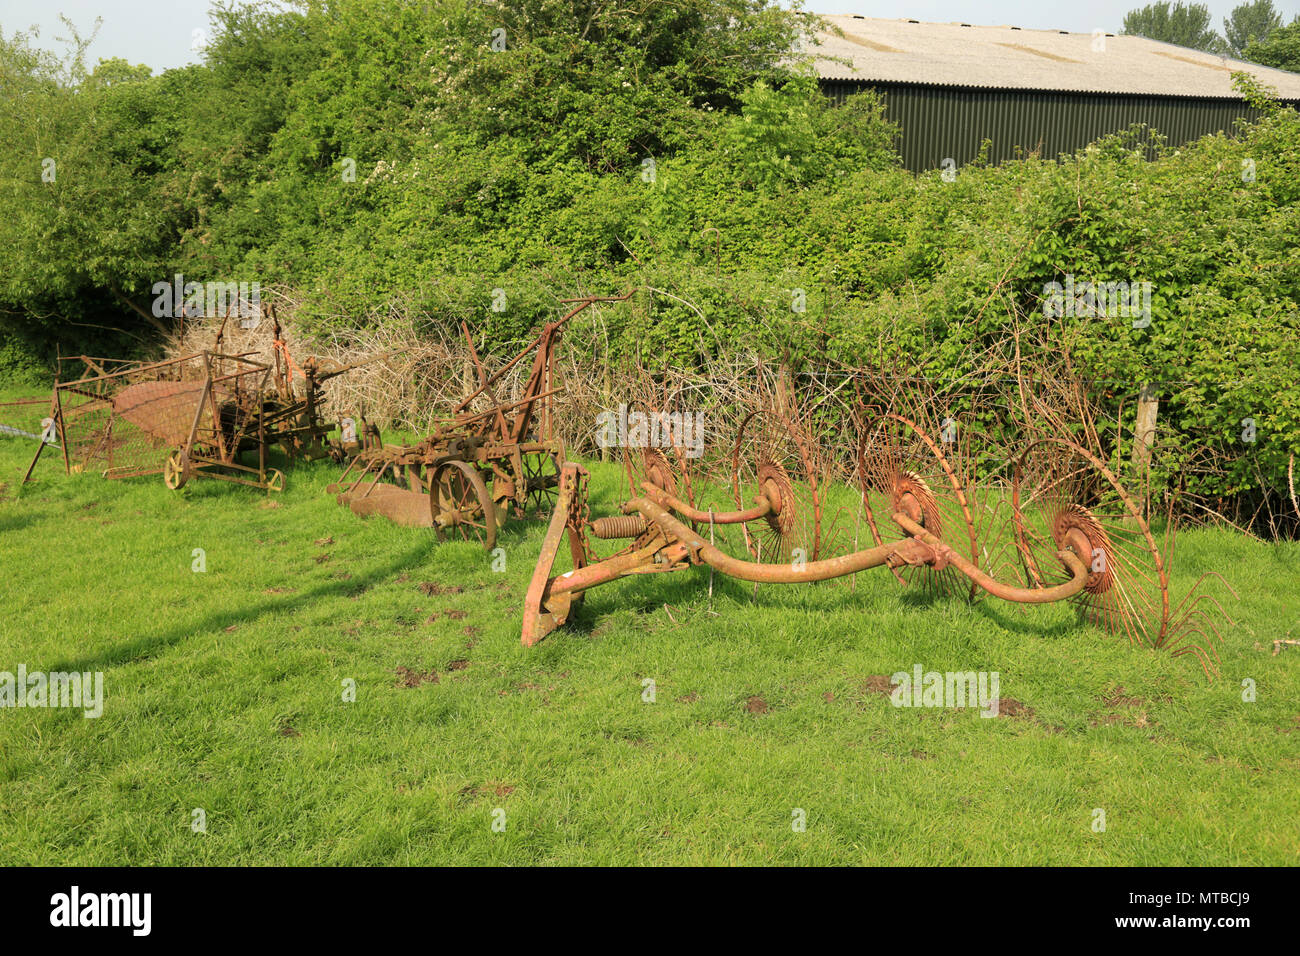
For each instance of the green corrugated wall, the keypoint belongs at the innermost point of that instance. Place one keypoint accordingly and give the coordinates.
(946, 122)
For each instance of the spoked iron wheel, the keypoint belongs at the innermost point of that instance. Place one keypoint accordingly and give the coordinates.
(541, 475)
(461, 505)
(648, 464)
(177, 470)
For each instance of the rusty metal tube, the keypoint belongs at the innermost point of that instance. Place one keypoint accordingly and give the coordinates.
(764, 573)
(761, 510)
(1006, 592)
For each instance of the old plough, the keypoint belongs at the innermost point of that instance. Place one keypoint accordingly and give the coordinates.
(481, 463)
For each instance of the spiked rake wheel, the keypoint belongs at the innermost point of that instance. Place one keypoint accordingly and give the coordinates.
(904, 468)
(684, 446)
(648, 464)
(644, 459)
(461, 505)
(1064, 495)
(772, 460)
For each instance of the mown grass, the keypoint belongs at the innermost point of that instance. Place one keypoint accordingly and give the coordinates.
(224, 691)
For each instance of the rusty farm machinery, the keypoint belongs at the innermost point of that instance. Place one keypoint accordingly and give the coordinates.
(490, 458)
(199, 415)
(894, 485)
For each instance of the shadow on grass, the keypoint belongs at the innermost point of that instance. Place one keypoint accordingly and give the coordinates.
(147, 645)
(1023, 623)
(687, 591)
(15, 522)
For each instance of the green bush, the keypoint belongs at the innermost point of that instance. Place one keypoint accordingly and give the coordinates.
(365, 156)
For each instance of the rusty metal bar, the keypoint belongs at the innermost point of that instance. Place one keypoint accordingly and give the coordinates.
(1006, 592)
(761, 510)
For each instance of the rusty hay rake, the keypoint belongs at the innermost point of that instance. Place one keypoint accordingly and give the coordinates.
(900, 486)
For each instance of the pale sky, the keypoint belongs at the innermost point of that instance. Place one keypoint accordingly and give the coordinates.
(168, 33)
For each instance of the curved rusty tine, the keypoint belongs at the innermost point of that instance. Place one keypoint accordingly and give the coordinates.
(1195, 623)
(1210, 668)
(1201, 580)
(1194, 620)
(1185, 645)
(863, 476)
(1184, 614)
(1078, 570)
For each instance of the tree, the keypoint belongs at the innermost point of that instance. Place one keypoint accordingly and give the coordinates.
(1187, 26)
(1249, 22)
(1281, 49)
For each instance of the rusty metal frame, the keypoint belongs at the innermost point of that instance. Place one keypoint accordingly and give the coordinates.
(492, 443)
(663, 542)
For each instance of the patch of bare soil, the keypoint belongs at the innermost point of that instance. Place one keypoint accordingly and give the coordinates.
(493, 789)
(409, 678)
(878, 684)
(1010, 707)
(433, 588)
(1135, 713)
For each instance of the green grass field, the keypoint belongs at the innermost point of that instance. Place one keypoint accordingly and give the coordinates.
(224, 692)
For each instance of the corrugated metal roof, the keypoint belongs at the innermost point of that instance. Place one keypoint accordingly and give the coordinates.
(1008, 58)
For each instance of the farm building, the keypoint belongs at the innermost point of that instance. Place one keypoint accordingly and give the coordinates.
(950, 86)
